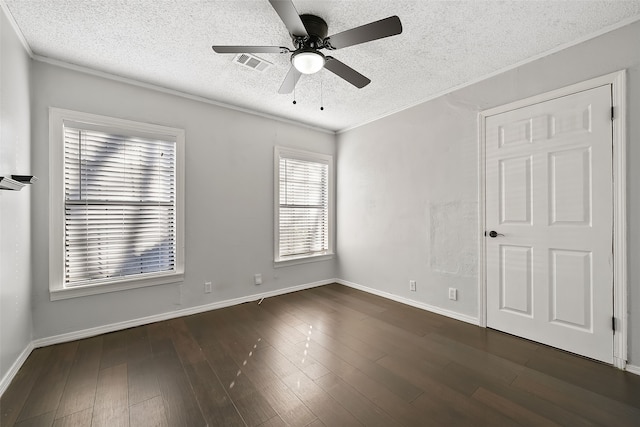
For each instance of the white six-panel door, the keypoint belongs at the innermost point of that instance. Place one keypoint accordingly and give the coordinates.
(549, 196)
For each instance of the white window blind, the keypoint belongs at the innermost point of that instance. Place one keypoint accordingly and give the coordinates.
(303, 208)
(120, 206)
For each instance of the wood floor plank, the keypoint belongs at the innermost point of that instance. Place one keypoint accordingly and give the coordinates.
(407, 322)
(80, 390)
(404, 389)
(274, 422)
(138, 346)
(150, 413)
(511, 409)
(254, 408)
(336, 337)
(316, 423)
(42, 420)
(47, 391)
(347, 300)
(77, 419)
(360, 407)
(114, 346)
(476, 360)
(588, 374)
(228, 372)
(344, 312)
(289, 407)
(444, 394)
(399, 409)
(111, 406)
(488, 340)
(176, 390)
(327, 409)
(15, 396)
(185, 345)
(285, 359)
(383, 303)
(249, 402)
(588, 404)
(216, 405)
(271, 328)
(542, 407)
(142, 381)
(278, 309)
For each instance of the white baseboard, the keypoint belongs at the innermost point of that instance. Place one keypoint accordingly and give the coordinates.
(407, 301)
(11, 373)
(633, 369)
(91, 332)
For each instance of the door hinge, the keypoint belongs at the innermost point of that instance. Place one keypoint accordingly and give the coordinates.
(613, 323)
(612, 113)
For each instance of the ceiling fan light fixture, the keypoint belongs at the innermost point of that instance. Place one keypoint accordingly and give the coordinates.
(308, 61)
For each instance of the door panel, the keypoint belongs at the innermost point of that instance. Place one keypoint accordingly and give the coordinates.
(516, 280)
(570, 187)
(515, 190)
(571, 288)
(549, 193)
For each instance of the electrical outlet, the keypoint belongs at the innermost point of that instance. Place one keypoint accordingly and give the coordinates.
(207, 287)
(453, 294)
(257, 279)
(412, 285)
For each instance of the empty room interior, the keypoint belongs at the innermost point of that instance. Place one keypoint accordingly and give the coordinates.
(319, 213)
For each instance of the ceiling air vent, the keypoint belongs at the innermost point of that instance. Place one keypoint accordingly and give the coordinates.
(252, 61)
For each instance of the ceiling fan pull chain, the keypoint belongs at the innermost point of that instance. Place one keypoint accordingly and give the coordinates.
(321, 98)
(294, 96)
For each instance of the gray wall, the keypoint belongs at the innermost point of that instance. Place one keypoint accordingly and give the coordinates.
(407, 184)
(15, 207)
(228, 204)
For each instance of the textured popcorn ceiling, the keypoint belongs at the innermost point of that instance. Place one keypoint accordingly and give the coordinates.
(444, 44)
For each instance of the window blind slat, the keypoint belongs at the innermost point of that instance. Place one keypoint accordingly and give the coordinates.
(120, 206)
(304, 207)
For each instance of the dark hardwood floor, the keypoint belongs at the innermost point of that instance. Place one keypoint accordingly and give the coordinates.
(329, 356)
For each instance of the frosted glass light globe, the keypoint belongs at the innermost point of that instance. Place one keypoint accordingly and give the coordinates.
(308, 62)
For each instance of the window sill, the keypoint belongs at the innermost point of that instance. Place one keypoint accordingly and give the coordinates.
(82, 291)
(303, 260)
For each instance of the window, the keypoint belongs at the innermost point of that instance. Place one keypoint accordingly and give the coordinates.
(304, 206)
(116, 204)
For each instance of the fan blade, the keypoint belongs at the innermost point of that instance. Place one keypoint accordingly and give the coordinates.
(290, 80)
(289, 15)
(349, 74)
(387, 27)
(250, 49)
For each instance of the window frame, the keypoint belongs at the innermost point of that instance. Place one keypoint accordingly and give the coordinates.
(293, 153)
(57, 119)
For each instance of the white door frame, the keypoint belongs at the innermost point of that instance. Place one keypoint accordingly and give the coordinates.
(619, 99)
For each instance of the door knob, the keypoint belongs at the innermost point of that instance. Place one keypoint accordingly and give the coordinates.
(494, 234)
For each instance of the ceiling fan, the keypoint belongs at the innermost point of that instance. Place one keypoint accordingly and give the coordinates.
(309, 36)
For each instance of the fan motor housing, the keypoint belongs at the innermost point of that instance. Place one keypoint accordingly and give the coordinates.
(317, 29)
